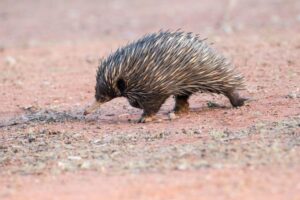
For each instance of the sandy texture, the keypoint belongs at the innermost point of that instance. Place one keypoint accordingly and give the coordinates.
(49, 52)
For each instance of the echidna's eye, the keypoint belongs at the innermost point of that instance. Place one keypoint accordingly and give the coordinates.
(121, 85)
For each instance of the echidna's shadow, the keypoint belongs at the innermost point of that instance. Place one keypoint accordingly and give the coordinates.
(209, 107)
(161, 116)
(43, 116)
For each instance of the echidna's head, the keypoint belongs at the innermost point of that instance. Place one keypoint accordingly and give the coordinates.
(106, 87)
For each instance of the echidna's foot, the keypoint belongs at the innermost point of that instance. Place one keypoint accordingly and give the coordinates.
(145, 119)
(235, 99)
(151, 107)
(182, 109)
(181, 104)
(241, 102)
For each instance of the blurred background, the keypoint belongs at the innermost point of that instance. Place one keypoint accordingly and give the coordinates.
(34, 22)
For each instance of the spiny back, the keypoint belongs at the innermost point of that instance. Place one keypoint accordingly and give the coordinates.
(170, 63)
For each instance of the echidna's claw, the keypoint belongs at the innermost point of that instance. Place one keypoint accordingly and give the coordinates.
(145, 119)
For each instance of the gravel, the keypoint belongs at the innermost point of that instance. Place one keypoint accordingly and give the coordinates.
(30, 150)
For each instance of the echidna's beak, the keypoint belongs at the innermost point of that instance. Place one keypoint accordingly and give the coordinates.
(92, 108)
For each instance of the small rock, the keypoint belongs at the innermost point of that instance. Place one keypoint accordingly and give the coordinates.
(85, 165)
(31, 139)
(197, 132)
(213, 105)
(68, 142)
(10, 61)
(77, 135)
(172, 116)
(293, 95)
(50, 132)
(65, 165)
(29, 108)
(97, 141)
(160, 135)
(182, 166)
(187, 131)
(74, 157)
(123, 115)
(107, 139)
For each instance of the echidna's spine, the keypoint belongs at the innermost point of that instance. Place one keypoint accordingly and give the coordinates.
(169, 63)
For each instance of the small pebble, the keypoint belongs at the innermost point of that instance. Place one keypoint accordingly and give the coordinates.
(293, 95)
(213, 105)
(31, 139)
(197, 132)
(182, 166)
(85, 165)
(172, 116)
(10, 61)
(74, 157)
(64, 165)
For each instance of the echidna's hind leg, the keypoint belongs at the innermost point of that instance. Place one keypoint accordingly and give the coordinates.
(235, 99)
(151, 107)
(181, 104)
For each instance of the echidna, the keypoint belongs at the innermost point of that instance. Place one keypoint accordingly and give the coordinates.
(161, 64)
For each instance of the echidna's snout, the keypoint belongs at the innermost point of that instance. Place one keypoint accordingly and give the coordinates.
(92, 108)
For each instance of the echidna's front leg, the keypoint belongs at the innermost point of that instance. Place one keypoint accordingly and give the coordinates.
(150, 109)
(146, 117)
(181, 104)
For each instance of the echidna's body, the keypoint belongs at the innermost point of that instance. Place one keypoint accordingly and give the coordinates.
(158, 65)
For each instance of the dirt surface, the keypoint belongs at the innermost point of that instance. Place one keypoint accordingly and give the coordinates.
(49, 52)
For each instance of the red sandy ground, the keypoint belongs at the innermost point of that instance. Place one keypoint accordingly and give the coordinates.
(48, 59)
